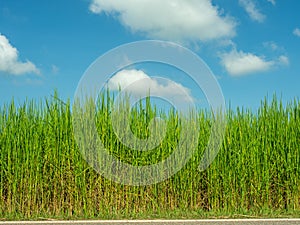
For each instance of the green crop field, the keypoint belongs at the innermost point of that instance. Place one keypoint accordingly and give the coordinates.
(43, 174)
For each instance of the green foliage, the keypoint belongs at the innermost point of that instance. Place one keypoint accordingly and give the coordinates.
(43, 174)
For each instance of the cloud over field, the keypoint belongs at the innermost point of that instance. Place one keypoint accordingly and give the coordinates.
(169, 89)
(191, 22)
(9, 60)
(238, 63)
(174, 20)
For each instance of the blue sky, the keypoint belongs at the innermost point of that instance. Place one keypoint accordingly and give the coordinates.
(252, 46)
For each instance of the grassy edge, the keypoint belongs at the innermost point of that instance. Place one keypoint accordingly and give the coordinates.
(174, 214)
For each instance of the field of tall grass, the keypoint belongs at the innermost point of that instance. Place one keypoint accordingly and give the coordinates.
(43, 174)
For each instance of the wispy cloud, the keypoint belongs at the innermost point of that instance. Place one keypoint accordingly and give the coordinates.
(9, 60)
(283, 60)
(54, 69)
(238, 63)
(175, 20)
(252, 10)
(273, 2)
(296, 32)
(271, 45)
(140, 83)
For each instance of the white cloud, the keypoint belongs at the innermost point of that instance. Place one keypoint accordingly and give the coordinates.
(273, 2)
(252, 10)
(9, 61)
(296, 32)
(283, 60)
(175, 20)
(141, 83)
(238, 63)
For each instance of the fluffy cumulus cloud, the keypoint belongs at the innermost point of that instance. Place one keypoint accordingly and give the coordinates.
(252, 10)
(139, 83)
(174, 20)
(296, 32)
(9, 62)
(239, 63)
